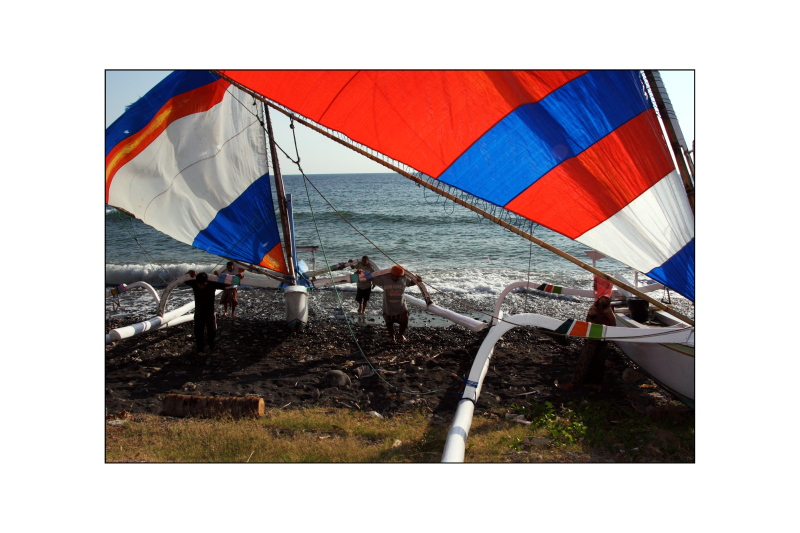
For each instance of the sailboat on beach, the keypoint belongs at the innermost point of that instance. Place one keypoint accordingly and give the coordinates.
(596, 156)
(592, 155)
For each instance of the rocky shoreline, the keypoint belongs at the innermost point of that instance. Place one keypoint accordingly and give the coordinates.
(349, 363)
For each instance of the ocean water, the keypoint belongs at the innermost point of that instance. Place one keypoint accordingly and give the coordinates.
(455, 250)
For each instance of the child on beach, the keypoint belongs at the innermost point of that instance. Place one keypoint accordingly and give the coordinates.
(363, 288)
(230, 295)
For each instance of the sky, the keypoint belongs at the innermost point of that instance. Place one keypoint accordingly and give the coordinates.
(320, 155)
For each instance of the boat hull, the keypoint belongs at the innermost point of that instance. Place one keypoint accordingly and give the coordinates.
(669, 364)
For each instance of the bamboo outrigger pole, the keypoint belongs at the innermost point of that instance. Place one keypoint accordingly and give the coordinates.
(469, 206)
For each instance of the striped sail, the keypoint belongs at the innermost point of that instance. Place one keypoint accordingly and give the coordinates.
(580, 152)
(189, 159)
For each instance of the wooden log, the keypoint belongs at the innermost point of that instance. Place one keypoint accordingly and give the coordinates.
(213, 406)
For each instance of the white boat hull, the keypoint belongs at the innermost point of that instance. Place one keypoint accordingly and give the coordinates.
(671, 365)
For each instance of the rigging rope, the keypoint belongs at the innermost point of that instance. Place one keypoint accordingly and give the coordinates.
(530, 258)
(306, 182)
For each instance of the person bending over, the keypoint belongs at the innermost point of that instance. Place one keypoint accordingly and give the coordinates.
(395, 309)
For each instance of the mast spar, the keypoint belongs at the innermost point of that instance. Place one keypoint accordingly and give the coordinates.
(676, 141)
(287, 232)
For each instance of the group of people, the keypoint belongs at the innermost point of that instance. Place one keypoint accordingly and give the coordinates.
(589, 369)
(395, 309)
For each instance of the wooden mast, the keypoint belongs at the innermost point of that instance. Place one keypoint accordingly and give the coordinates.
(469, 206)
(287, 232)
(674, 133)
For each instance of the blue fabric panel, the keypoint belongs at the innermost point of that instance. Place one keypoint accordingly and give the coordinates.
(140, 113)
(535, 138)
(678, 272)
(247, 229)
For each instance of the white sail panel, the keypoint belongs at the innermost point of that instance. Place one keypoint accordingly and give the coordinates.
(182, 180)
(649, 230)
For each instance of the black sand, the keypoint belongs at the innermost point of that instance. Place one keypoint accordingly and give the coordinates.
(351, 365)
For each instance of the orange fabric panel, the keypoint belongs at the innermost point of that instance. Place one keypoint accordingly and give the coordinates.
(274, 260)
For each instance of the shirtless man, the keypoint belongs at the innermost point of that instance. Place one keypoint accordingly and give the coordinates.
(395, 309)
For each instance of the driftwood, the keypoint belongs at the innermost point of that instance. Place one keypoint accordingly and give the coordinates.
(213, 406)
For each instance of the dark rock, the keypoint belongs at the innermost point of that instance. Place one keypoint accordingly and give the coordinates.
(336, 378)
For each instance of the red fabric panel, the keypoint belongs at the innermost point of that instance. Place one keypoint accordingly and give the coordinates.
(196, 101)
(579, 329)
(588, 189)
(425, 119)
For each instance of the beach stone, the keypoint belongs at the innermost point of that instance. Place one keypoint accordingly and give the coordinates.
(337, 378)
(632, 376)
(363, 371)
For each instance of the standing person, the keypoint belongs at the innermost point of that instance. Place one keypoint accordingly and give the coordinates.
(363, 288)
(591, 363)
(395, 309)
(230, 295)
(205, 321)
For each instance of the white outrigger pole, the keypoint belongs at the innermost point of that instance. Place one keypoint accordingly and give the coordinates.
(455, 443)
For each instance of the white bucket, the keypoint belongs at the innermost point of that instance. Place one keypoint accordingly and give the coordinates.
(296, 306)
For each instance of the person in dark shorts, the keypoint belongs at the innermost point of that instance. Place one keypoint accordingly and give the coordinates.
(395, 309)
(205, 321)
(230, 295)
(363, 288)
(590, 367)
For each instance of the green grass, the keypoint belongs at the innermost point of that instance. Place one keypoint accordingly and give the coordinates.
(584, 432)
(604, 428)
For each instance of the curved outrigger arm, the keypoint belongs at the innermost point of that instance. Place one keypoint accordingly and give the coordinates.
(116, 291)
(459, 430)
(552, 289)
